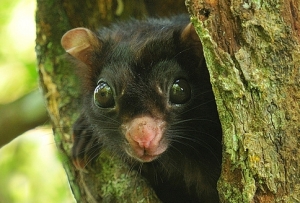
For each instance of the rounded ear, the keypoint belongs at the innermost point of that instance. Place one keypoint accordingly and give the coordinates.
(80, 43)
(190, 37)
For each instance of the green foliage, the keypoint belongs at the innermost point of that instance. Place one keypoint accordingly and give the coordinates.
(29, 168)
(31, 172)
(18, 74)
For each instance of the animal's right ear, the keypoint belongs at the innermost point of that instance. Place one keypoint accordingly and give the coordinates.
(190, 38)
(80, 43)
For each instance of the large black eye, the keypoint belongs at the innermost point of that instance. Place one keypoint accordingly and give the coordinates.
(180, 92)
(103, 96)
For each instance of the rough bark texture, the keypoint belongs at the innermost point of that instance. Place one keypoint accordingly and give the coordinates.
(112, 181)
(252, 51)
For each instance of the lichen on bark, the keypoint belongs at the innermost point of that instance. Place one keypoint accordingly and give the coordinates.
(252, 52)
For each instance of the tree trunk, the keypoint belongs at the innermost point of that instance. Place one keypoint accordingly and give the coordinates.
(252, 51)
(112, 182)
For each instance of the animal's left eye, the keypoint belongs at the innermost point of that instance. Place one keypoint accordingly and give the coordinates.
(103, 96)
(180, 92)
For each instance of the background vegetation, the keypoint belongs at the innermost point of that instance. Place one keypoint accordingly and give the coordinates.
(30, 170)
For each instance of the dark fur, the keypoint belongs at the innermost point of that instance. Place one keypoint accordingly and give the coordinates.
(134, 57)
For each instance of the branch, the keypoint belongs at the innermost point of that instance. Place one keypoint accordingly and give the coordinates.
(21, 115)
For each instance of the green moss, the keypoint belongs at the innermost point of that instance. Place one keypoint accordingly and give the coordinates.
(118, 183)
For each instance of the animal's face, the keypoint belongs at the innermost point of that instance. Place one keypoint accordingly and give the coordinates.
(134, 108)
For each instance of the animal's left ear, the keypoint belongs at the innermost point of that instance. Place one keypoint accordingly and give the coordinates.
(81, 43)
(191, 39)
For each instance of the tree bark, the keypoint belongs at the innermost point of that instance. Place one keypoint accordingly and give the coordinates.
(252, 52)
(112, 181)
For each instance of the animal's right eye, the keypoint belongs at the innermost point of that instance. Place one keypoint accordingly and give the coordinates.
(103, 96)
(180, 92)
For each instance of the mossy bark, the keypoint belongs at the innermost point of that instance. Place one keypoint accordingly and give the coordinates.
(253, 55)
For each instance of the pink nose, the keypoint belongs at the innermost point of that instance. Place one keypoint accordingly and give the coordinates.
(143, 131)
(145, 137)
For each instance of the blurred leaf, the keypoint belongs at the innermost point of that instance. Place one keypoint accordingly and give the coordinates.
(5, 11)
(18, 74)
(30, 171)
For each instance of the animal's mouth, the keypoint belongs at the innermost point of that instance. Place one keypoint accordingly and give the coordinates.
(148, 158)
(143, 155)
